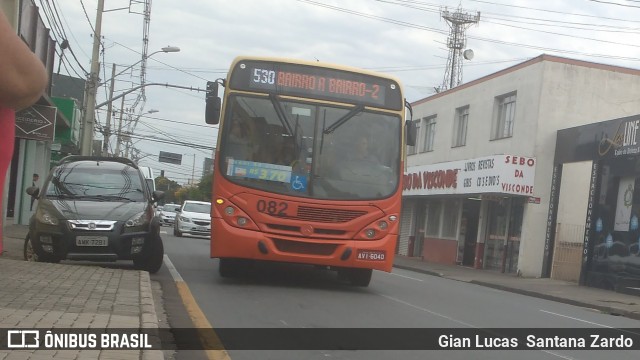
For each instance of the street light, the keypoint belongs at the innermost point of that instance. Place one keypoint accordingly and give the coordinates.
(89, 116)
(166, 49)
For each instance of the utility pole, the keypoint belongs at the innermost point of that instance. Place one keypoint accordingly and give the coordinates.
(92, 87)
(193, 170)
(119, 135)
(107, 129)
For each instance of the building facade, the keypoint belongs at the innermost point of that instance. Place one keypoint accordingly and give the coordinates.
(37, 125)
(478, 183)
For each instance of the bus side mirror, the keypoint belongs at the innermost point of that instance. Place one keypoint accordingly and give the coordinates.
(213, 104)
(411, 132)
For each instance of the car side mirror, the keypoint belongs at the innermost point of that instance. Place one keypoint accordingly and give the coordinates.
(157, 195)
(33, 191)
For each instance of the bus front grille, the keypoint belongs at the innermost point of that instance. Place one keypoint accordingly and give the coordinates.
(327, 215)
(296, 247)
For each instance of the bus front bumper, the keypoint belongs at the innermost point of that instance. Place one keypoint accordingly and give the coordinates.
(231, 242)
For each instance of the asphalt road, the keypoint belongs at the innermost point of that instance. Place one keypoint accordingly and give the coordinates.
(289, 296)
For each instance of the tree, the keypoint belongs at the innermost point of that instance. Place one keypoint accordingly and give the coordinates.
(169, 187)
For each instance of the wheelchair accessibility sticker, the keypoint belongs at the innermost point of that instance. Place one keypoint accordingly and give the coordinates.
(298, 182)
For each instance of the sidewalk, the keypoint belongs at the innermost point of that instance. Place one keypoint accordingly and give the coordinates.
(42, 295)
(606, 301)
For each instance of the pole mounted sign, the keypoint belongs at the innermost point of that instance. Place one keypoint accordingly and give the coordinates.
(171, 158)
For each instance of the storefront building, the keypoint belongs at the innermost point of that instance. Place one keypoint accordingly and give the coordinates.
(478, 183)
(611, 240)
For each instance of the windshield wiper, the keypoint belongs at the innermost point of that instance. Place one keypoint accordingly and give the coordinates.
(104, 197)
(282, 115)
(355, 111)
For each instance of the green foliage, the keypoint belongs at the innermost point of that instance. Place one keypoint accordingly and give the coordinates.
(178, 194)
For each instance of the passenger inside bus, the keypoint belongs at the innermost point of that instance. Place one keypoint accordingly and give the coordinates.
(239, 142)
(362, 151)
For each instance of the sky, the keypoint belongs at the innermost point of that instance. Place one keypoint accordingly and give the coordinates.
(404, 38)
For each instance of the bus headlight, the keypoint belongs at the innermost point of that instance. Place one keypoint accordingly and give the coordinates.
(229, 210)
(370, 233)
(383, 225)
(242, 221)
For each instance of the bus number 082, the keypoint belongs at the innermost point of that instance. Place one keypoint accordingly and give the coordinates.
(262, 76)
(272, 207)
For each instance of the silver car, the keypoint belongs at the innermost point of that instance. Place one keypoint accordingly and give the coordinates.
(194, 217)
(168, 214)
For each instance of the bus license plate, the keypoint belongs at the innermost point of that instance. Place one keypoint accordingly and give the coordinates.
(91, 240)
(375, 255)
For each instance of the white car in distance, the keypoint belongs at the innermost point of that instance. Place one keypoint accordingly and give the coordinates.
(194, 217)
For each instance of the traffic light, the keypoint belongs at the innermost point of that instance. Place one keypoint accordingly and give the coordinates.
(213, 104)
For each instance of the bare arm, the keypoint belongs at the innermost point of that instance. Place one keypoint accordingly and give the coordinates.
(23, 77)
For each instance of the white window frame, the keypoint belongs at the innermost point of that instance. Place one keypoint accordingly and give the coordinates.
(428, 135)
(505, 116)
(460, 124)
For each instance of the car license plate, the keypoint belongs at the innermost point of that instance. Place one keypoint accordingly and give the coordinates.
(201, 228)
(92, 240)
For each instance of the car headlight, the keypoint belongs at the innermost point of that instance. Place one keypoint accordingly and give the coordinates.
(138, 219)
(185, 219)
(45, 217)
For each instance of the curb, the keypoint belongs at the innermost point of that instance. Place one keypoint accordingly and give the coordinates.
(423, 271)
(148, 316)
(603, 309)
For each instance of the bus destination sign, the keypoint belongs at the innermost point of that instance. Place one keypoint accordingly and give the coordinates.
(323, 83)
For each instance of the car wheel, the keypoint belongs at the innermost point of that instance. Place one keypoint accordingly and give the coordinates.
(153, 261)
(31, 254)
(28, 251)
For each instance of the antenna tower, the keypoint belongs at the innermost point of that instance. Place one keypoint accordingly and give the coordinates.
(458, 22)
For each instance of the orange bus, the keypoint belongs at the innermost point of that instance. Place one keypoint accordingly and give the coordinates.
(308, 166)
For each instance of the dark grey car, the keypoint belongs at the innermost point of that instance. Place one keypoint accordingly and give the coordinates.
(97, 209)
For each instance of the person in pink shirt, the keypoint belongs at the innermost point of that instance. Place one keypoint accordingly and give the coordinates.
(23, 79)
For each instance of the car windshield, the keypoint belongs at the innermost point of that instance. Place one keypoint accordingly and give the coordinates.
(170, 208)
(311, 150)
(204, 208)
(94, 182)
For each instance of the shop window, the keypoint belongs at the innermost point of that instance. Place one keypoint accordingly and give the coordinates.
(433, 218)
(497, 234)
(451, 215)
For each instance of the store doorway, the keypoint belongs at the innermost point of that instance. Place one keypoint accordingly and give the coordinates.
(469, 230)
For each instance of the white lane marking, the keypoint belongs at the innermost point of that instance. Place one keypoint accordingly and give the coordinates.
(458, 321)
(172, 269)
(428, 311)
(163, 232)
(406, 277)
(576, 319)
(558, 355)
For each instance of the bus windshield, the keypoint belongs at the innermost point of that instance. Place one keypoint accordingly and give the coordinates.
(310, 149)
